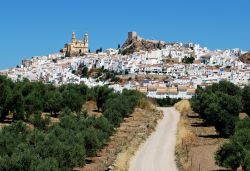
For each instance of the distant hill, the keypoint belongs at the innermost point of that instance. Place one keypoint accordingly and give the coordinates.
(135, 44)
(245, 58)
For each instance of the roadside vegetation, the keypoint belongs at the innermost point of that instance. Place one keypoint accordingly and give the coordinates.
(32, 142)
(185, 136)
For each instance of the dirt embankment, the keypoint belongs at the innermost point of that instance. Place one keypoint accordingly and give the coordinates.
(196, 143)
(126, 139)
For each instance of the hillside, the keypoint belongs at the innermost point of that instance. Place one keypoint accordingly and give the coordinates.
(135, 44)
(245, 58)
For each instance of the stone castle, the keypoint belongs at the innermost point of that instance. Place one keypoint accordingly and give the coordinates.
(135, 43)
(76, 47)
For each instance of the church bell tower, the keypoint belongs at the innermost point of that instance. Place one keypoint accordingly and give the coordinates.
(73, 40)
(86, 39)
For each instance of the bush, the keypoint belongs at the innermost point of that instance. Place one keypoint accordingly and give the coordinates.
(229, 156)
(113, 116)
(39, 122)
(236, 152)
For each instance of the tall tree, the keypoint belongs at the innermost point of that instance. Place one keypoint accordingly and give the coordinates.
(53, 102)
(102, 95)
(18, 106)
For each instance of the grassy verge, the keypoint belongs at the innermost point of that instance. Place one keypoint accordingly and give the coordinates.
(184, 135)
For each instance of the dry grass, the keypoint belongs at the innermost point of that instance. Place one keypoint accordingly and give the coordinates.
(185, 136)
(183, 107)
(123, 158)
(146, 104)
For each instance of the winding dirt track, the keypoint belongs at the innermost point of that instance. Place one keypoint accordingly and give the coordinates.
(158, 152)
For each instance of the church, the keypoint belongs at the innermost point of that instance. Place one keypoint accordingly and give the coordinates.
(76, 47)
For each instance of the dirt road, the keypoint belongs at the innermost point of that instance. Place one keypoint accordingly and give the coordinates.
(158, 152)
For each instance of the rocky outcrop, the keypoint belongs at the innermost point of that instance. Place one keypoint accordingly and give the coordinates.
(135, 45)
(245, 58)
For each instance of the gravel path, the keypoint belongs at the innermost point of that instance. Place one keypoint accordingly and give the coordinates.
(158, 152)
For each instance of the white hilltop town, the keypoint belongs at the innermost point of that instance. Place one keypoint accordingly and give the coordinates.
(166, 69)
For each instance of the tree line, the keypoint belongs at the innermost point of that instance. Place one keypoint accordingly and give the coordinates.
(219, 105)
(63, 145)
(22, 99)
(166, 102)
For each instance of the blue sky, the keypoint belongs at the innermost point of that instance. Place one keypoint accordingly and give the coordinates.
(40, 27)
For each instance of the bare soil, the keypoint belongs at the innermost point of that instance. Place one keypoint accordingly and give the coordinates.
(91, 108)
(197, 144)
(204, 145)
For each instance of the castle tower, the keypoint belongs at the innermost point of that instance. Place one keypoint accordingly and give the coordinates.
(73, 40)
(132, 35)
